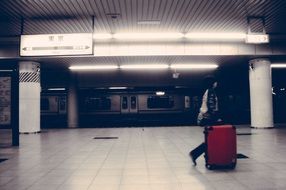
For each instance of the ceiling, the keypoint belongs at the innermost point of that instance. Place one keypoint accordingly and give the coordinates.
(112, 16)
(67, 16)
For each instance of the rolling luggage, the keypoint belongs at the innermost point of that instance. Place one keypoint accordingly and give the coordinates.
(220, 146)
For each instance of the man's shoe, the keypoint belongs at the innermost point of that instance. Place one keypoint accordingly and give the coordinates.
(193, 158)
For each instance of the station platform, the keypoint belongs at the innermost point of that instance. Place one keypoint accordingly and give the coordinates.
(151, 158)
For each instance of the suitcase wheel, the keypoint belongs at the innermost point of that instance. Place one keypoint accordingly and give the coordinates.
(210, 167)
(232, 166)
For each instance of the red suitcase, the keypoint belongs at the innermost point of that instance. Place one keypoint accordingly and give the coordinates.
(220, 146)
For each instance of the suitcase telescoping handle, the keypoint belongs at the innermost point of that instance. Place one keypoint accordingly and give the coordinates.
(206, 133)
(210, 128)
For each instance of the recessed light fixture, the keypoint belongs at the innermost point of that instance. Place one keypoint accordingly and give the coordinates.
(113, 15)
(149, 22)
(160, 93)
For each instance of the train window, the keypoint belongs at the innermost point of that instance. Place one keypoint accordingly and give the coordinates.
(124, 102)
(133, 102)
(45, 104)
(62, 104)
(160, 102)
(96, 104)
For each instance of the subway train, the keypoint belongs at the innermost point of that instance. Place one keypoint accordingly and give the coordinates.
(137, 107)
(54, 109)
(115, 108)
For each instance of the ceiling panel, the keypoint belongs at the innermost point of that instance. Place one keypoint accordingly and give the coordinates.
(63, 25)
(172, 15)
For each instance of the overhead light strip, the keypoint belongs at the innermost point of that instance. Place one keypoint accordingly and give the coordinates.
(56, 89)
(147, 36)
(94, 67)
(215, 36)
(278, 65)
(117, 87)
(102, 36)
(145, 66)
(168, 36)
(194, 66)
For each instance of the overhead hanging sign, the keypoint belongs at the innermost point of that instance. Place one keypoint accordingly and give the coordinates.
(257, 38)
(56, 44)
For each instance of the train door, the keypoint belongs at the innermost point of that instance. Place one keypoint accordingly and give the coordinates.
(129, 104)
(62, 105)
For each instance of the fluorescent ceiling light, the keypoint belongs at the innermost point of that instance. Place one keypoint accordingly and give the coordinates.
(278, 65)
(160, 93)
(180, 87)
(151, 22)
(117, 88)
(56, 88)
(146, 36)
(93, 67)
(166, 36)
(102, 36)
(216, 36)
(6, 70)
(145, 66)
(194, 66)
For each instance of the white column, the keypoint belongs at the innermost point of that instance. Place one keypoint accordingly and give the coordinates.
(72, 103)
(260, 84)
(29, 97)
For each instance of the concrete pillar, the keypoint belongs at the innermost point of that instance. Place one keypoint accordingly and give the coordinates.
(260, 84)
(72, 103)
(29, 97)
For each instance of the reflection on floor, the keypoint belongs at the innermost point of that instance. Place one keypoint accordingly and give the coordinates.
(3, 159)
(149, 159)
(241, 156)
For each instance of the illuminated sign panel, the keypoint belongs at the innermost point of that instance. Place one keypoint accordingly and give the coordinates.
(56, 44)
(257, 38)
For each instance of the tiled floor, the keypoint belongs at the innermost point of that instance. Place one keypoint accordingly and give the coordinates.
(149, 159)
